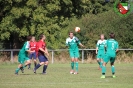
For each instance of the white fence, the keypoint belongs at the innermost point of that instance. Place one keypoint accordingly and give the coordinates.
(52, 52)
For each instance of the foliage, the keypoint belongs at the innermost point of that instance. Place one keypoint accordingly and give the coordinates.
(55, 18)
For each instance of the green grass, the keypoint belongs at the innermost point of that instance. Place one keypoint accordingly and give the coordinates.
(58, 77)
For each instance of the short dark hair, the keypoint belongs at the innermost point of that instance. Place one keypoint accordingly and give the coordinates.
(70, 32)
(41, 36)
(112, 35)
(29, 38)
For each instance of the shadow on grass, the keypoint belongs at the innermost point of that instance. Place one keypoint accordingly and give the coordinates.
(109, 77)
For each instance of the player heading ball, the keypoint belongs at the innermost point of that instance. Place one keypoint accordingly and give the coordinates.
(72, 42)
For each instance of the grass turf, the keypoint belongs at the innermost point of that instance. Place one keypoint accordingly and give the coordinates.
(58, 77)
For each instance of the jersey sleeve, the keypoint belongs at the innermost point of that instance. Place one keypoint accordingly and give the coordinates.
(97, 43)
(117, 45)
(67, 41)
(77, 40)
(27, 46)
(39, 44)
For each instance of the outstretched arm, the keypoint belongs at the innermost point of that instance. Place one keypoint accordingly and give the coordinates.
(81, 45)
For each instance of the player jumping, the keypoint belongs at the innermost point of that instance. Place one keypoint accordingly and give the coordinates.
(33, 49)
(23, 56)
(100, 50)
(112, 48)
(73, 43)
(41, 51)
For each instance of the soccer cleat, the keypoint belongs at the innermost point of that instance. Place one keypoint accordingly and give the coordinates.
(44, 73)
(103, 77)
(16, 73)
(114, 76)
(34, 71)
(29, 68)
(71, 72)
(75, 73)
(22, 69)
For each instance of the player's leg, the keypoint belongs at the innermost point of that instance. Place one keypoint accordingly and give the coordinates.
(42, 62)
(45, 65)
(101, 60)
(28, 61)
(34, 57)
(76, 61)
(17, 69)
(72, 61)
(105, 61)
(21, 61)
(98, 60)
(30, 56)
(76, 66)
(112, 60)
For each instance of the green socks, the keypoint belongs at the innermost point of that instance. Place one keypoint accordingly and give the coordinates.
(72, 65)
(101, 63)
(17, 70)
(98, 62)
(113, 69)
(103, 69)
(24, 66)
(77, 66)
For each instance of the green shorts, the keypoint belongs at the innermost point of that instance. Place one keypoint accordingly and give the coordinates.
(74, 54)
(100, 55)
(22, 58)
(108, 58)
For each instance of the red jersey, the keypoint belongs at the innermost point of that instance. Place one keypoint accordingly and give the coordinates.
(40, 44)
(33, 46)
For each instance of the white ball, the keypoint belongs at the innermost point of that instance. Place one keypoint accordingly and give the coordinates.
(77, 29)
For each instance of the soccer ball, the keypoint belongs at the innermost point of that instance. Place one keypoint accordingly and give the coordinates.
(77, 29)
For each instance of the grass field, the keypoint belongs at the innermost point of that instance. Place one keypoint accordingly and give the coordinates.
(58, 77)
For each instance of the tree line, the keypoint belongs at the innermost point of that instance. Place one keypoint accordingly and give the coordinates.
(55, 18)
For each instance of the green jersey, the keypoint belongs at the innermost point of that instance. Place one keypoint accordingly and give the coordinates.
(72, 43)
(24, 49)
(112, 46)
(101, 45)
(101, 48)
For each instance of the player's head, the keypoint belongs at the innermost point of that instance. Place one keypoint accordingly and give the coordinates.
(71, 34)
(33, 38)
(29, 38)
(42, 37)
(102, 36)
(112, 35)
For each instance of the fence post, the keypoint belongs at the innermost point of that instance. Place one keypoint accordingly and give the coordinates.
(12, 56)
(82, 56)
(52, 56)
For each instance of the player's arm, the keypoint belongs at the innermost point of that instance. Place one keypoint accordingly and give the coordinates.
(41, 49)
(117, 46)
(67, 43)
(97, 47)
(96, 50)
(46, 51)
(27, 48)
(81, 45)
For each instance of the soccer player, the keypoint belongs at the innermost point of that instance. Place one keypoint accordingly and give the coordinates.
(112, 48)
(41, 51)
(33, 49)
(100, 50)
(72, 42)
(23, 56)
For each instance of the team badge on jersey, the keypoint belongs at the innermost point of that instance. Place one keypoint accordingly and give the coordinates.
(123, 7)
